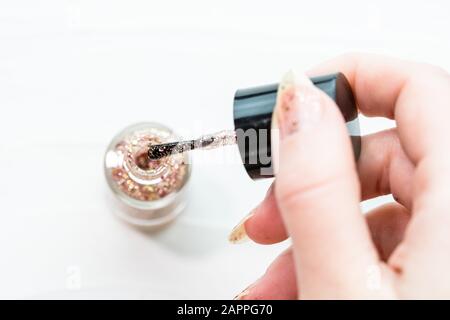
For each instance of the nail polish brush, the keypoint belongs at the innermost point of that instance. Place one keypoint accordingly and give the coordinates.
(210, 141)
(252, 112)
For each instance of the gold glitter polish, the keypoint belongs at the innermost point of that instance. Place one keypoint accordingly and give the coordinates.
(242, 295)
(151, 190)
(239, 234)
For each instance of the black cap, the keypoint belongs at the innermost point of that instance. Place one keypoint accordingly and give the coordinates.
(253, 109)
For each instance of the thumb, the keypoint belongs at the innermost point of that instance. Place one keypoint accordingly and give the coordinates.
(317, 192)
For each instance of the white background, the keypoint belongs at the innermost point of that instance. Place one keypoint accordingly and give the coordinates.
(73, 73)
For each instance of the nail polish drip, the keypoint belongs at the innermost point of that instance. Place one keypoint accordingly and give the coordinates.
(206, 142)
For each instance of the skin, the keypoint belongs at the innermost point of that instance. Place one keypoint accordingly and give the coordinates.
(397, 251)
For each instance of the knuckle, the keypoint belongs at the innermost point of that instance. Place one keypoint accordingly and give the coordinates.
(426, 77)
(424, 71)
(434, 70)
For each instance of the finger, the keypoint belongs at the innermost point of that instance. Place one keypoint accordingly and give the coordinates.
(317, 192)
(387, 225)
(278, 283)
(266, 225)
(416, 95)
(424, 256)
(376, 80)
(383, 169)
(263, 225)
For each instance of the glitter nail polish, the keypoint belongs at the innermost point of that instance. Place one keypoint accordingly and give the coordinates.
(151, 192)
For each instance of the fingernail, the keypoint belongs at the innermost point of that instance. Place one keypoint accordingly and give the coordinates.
(299, 105)
(239, 234)
(242, 295)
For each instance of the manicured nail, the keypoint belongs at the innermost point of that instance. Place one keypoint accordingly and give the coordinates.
(242, 295)
(239, 234)
(299, 105)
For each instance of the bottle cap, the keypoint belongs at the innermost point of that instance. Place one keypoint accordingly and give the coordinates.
(253, 108)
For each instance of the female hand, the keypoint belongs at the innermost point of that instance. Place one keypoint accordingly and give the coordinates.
(399, 250)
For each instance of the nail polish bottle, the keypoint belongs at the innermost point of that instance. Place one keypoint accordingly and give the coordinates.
(149, 192)
(252, 111)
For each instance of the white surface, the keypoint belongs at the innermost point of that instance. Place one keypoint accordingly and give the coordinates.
(73, 73)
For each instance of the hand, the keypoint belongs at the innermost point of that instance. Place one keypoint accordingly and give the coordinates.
(399, 250)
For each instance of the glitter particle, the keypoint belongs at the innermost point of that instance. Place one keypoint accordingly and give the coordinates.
(141, 178)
